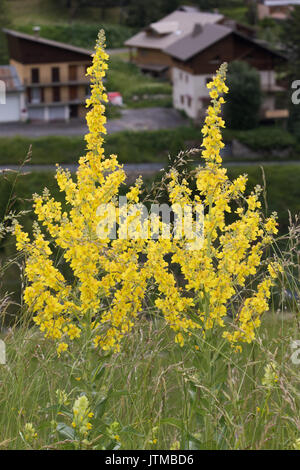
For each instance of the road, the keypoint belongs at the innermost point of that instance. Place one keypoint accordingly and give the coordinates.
(132, 119)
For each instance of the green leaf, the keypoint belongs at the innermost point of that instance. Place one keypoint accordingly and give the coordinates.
(120, 393)
(131, 430)
(65, 431)
(100, 407)
(173, 422)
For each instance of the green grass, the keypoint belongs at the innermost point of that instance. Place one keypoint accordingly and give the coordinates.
(82, 34)
(209, 398)
(130, 146)
(130, 81)
(238, 13)
(263, 139)
(140, 146)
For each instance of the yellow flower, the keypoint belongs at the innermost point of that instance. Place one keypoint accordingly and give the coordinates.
(81, 415)
(271, 377)
(61, 348)
(296, 444)
(30, 433)
(109, 283)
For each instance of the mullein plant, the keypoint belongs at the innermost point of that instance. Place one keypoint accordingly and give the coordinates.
(110, 283)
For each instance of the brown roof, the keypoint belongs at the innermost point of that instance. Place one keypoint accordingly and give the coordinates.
(185, 22)
(202, 38)
(8, 75)
(48, 42)
(198, 41)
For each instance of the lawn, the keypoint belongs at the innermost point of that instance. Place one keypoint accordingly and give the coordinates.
(130, 146)
(144, 146)
(137, 88)
(153, 394)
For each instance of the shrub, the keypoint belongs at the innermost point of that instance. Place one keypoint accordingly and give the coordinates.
(263, 138)
(132, 146)
(244, 98)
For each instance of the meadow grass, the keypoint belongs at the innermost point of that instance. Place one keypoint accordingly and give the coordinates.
(157, 394)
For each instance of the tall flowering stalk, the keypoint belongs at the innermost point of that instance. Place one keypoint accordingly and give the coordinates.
(107, 284)
(231, 253)
(110, 282)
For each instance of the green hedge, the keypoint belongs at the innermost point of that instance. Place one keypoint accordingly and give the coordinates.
(131, 147)
(136, 146)
(263, 138)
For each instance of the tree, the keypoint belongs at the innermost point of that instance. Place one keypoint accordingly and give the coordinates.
(4, 23)
(207, 5)
(251, 15)
(244, 97)
(141, 13)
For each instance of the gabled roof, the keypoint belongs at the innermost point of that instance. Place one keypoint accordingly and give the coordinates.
(197, 41)
(48, 42)
(201, 39)
(9, 75)
(164, 27)
(185, 24)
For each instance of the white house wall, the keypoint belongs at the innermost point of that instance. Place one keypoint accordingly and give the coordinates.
(11, 110)
(189, 90)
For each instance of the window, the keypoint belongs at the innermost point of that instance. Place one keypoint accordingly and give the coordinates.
(35, 95)
(73, 110)
(55, 74)
(35, 76)
(72, 72)
(182, 99)
(189, 101)
(88, 91)
(215, 60)
(56, 93)
(73, 93)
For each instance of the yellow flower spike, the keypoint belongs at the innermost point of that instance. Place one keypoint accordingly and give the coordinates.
(109, 282)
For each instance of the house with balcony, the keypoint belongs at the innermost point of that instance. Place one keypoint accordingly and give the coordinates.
(197, 56)
(276, 9)
(53, 75)
(149, 47)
